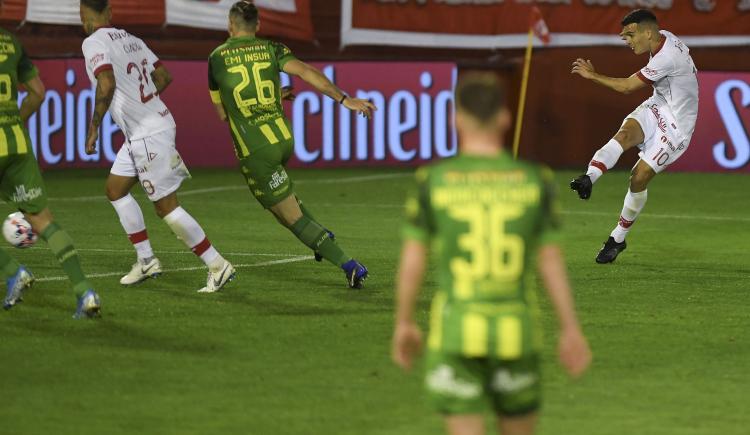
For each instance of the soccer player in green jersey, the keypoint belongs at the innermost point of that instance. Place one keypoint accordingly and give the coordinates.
(489, 218)
(243, 77)
(21, 182)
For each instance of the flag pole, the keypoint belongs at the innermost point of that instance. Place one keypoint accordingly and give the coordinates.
(522, 97)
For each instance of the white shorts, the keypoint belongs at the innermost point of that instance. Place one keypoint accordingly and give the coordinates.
(156, 163)
(663, 142)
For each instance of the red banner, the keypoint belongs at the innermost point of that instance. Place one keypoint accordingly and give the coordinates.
(503, 23)
(411, 126)
(721, 141)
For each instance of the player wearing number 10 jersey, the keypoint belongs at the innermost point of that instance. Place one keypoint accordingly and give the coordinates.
(129, 79)
(491, 219)
(243, 77)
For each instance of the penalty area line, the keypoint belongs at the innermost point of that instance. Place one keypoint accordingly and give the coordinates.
(186, 269)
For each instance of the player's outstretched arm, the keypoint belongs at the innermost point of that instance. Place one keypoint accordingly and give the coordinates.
(585, 69)
(105, 91)
(162, 78)
(320, 82)
(573, 348)
(407, 337)
(34, 99)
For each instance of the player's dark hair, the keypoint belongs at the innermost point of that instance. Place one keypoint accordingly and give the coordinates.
(246, 11)
(97, 5)
(639, 16)
(481, 95)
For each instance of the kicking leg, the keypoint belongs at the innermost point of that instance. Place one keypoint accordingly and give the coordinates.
(131, 218)
(187, 229)
(629, 135)
(634, 202)
(62, 247)
(306, 212)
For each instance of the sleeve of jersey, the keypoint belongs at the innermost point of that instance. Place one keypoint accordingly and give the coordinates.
(26, 69)
(213, 85)
(418, 225)
(551, 211)
(656, 69)
(283, 54)
(97, 57)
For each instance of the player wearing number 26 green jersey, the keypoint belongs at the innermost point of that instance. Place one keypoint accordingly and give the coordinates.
(488, 217)
(243, 78)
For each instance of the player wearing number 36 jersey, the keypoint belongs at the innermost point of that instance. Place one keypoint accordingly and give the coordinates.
(129, 79)
(243, 77)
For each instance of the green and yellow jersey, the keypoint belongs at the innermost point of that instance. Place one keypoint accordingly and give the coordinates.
(243, 75)
(15, 69)
(485, 218)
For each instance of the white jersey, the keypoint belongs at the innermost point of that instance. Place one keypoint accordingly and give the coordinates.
(136, 106)
(675, 79)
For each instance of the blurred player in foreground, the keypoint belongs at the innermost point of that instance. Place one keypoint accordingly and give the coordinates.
(491, 218)
(21, 182)
(661, 127)
(129, 79)
(244, 85)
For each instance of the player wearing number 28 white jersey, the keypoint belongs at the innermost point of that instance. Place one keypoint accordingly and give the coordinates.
(136, 106)
(129, 79)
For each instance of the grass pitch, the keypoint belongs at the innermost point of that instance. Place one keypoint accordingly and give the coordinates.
(288, 349)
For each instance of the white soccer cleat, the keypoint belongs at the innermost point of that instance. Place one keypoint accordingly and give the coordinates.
(217, 280)
(141, 272)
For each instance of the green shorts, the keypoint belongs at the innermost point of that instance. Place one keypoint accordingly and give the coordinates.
(461, 385)
(21, 182)
(265, 173)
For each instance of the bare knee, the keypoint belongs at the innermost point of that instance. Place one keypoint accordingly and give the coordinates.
(629, 135)
(639, 181)
(39, 221)
(166, 205)
(114, 192)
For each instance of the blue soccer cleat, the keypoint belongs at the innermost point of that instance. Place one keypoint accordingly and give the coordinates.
(89, 305)
(16, 285)
(319, 257)
(356, 273)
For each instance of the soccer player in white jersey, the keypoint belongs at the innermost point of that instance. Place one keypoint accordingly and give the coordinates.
(661, 127)
(129, 79)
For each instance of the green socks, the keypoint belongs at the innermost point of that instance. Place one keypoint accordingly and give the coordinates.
(316, 238)
(62, 246)
(8, 265)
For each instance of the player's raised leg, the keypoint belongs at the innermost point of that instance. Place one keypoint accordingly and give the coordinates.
(187, 229)
(62, 247)
(629, 135)
(306, 212)
(634, 202)
(131, 218)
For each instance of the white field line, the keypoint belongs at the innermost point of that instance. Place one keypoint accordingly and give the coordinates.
(184, 269)
(184, 251)
(361, 179)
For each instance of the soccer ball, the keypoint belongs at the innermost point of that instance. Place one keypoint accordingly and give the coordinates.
(17, 231)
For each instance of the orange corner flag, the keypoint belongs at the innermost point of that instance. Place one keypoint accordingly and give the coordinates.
(538, 26)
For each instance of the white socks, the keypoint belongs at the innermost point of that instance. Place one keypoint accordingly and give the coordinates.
(632, 207)
(132, 222)
(604, 159)
(191, 233)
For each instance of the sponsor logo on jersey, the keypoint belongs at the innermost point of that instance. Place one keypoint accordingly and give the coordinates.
(659, 119)
(650, 72)
(23, 195)
(96, 59)
(443, 380)
(277, 179)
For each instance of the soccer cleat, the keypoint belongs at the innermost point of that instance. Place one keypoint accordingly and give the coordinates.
(89, 306)
(610, 251)
(217, 280)
(319, 257)
(356, 273)
(583, 186)
(141, 272)
(16, 285)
